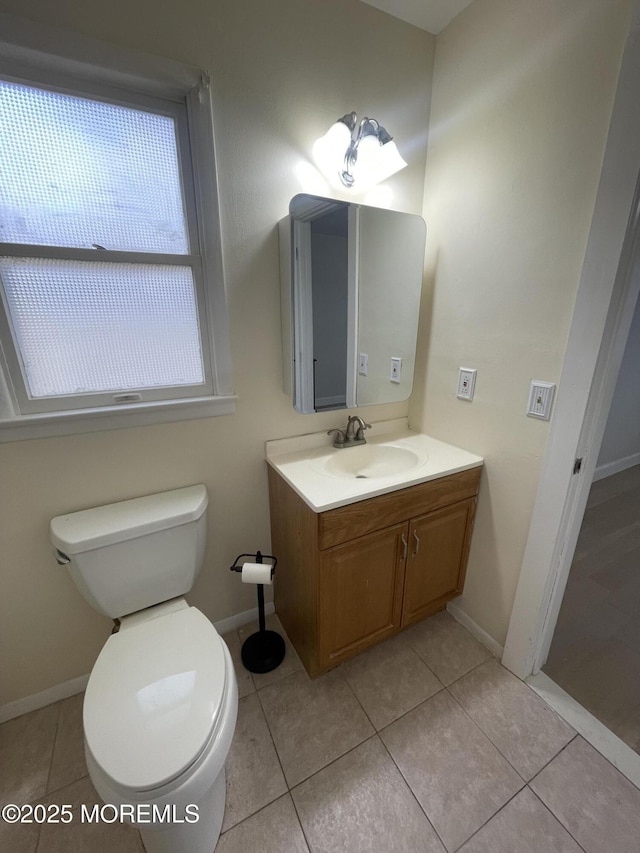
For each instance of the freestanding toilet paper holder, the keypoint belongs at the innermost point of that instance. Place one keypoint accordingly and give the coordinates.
(264, 650)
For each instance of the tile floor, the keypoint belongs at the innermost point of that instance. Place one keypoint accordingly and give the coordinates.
(595, 652)
(424, 744)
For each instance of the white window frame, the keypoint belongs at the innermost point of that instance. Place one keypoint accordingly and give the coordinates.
(163, 87)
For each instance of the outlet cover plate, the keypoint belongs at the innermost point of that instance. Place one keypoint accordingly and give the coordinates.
(466, 383)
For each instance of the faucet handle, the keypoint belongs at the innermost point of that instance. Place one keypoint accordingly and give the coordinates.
(340, 438)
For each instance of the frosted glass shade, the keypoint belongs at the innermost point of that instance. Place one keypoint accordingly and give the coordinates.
(389, 161)
(329, 151)
(376, 162)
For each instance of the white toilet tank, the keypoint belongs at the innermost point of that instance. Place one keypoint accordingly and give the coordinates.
(126, 556)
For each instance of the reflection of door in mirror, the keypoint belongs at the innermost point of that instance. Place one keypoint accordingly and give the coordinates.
(323, 305)
(329, 288)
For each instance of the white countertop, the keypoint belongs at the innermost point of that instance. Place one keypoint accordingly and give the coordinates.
(301, 461)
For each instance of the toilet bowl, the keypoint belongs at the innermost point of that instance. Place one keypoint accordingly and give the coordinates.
(161, 703)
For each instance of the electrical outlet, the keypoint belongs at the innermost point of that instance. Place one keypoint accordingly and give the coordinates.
(396, 369)
(466, 383)
(363, 364)
(540, 399)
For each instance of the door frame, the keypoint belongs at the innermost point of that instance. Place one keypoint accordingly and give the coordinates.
(606, 295)
(304, 395)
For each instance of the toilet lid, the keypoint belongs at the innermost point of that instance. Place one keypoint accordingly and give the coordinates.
(153, 698)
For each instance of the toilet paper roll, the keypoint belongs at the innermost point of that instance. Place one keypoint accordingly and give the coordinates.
(256, 573)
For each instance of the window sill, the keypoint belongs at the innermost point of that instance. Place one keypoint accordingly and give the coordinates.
(21, 427)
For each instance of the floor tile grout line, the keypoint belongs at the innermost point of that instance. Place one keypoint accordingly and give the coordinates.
(278, 680)
(374, 736)
(355, 696)
(413, 793)
(498, 750)
(610, 763)
(553, 814)
(255, 693)
(408, 711)
(486, 736)
(46, 787)
(66, 785)
(415, 708)
(259, 811)
(53, 747)
(520, 789)
(544, 767)
(472, 669)
(419, 704)
(333, 761)
(273, 742)
(489, 819)
(495, 745)
(37, 847)
(295, 808)
(373, 733)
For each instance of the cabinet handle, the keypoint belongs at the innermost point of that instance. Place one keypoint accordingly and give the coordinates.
(417, 541)
(403, 539)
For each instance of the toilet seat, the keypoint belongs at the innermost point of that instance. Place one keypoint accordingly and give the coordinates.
(154, 698)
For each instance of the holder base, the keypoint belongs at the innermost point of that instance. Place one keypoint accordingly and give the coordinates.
(263, 651)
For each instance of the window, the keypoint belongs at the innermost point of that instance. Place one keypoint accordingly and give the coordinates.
(110, 301)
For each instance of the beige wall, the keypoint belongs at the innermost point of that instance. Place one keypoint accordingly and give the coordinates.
(282, 72)
(521, 103)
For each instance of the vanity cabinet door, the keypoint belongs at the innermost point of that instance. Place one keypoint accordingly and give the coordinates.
(360, 593)
(437, 559)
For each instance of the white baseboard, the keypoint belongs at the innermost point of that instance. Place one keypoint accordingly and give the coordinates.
(616, 467)
(479, 633)
(77, 685)
(232, 623)
(45, 697)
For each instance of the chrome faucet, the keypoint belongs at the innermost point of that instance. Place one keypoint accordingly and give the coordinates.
(352, 435)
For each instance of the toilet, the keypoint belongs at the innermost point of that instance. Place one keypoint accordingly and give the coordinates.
(161, 704)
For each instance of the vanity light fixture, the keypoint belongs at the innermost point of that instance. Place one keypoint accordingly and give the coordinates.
(361, 152)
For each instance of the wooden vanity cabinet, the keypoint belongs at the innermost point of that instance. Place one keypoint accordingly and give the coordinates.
(350, 577)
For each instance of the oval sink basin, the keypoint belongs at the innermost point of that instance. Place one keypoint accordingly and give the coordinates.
(369, 461)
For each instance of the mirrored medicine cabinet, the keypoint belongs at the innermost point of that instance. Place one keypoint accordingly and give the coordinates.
(351, 285)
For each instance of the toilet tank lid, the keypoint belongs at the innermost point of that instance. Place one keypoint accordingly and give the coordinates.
(82, 531)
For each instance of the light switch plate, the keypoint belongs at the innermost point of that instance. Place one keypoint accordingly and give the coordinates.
(363, 364)
(395, 371)
(540, 399)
